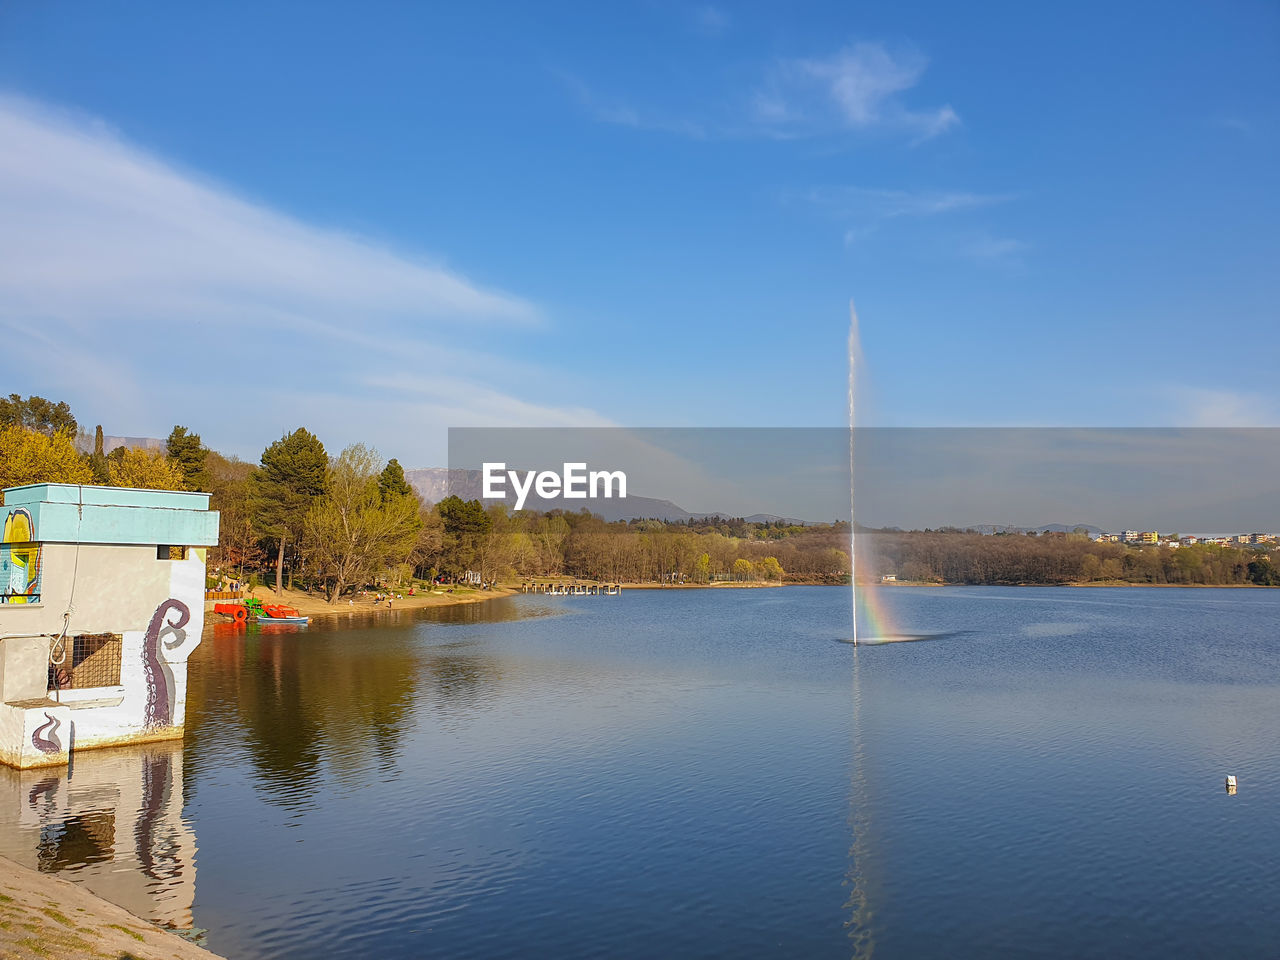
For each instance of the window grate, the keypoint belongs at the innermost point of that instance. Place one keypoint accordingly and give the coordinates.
(92, 661)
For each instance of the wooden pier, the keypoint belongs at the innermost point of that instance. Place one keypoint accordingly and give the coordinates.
(572, 589)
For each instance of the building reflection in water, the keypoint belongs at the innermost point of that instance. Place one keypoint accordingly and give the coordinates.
(114, 825)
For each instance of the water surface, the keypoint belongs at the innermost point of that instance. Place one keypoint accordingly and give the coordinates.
(709, 773)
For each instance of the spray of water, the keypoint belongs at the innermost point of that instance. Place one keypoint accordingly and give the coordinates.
(859, 925)
(854, 350)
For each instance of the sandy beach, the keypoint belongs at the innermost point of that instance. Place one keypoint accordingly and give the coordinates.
(315, 605)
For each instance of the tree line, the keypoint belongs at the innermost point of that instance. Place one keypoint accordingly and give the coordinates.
(343, 519)
(39, 444)
(338, 523)
(964, 557)
(466, 535)
(341, 522)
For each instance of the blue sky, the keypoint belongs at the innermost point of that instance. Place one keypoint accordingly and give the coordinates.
(381, 220)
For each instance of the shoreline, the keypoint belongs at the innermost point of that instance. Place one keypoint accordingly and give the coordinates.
(316, 607)
(747, 585)
(1085, 584)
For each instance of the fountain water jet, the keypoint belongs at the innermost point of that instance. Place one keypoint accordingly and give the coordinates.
(875, 614)
(853, 537)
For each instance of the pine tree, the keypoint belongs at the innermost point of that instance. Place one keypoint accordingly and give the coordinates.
(186, 450)
(391, 482)
(292, 474)
(98, 461)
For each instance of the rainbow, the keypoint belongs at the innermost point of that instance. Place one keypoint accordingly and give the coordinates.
(875, 622)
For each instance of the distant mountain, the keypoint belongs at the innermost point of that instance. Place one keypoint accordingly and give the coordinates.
(84, 443)
(432, 483)
(771, 518)
(1088, 528)
(436, 483)
(990, 528)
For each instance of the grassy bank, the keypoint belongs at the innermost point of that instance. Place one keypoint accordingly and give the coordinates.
(43, 916)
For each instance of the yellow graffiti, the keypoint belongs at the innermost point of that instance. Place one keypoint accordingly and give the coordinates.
(17, 527)
(24, 556)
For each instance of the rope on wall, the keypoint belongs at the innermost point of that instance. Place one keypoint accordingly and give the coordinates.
(58, 652)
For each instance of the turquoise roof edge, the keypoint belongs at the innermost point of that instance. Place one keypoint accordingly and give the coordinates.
(68, 513)
(104, 496)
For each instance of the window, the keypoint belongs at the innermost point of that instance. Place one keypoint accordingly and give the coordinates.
(166, 552)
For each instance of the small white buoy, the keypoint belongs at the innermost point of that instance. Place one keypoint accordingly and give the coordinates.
(1231, 783)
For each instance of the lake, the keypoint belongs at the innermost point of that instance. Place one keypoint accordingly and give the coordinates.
(706, 773)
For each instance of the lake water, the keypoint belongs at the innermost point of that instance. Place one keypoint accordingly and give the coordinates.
(707, 773)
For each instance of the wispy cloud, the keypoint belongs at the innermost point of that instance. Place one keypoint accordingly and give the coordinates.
(986, 248)
(863, 211)
(117, 268)
(870, 205)
(1232, 122)
(1216, 407)
(857, 88)
(611, 110)
(96, 229)
(469, 404)
(709, 20)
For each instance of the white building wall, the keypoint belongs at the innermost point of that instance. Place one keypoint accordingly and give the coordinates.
(157, 606)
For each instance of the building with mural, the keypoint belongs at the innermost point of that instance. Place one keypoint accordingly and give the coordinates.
(101, 604)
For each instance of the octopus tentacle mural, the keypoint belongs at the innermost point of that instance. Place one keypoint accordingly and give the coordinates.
(159, 708)
(51, 743)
